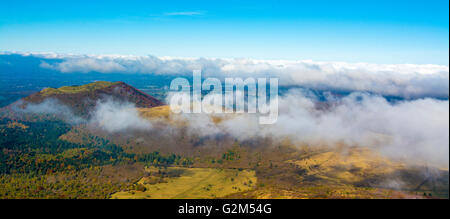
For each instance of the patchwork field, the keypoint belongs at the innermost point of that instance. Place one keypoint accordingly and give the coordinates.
(190, 183)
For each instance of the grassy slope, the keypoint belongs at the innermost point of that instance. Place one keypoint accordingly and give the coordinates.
(159, 112)
(77, 89)
(196, 183)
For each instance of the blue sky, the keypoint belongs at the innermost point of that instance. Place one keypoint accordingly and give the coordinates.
(353, 31)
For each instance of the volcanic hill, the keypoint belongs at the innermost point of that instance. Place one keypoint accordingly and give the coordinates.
(82, 99)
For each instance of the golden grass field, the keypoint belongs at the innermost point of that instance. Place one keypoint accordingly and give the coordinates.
(159, 112)
(165, 115)
(193, 183)
(347, 166)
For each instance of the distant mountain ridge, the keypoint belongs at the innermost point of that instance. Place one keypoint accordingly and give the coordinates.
(82, 99)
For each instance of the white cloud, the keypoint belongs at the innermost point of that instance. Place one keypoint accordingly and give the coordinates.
(79, 65)
(50, 106)
(111, 116)
(116, 117)
(406, 80)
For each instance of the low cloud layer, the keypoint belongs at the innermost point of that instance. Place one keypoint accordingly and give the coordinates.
(111, 116)
(415, 131)
(116, 117)
(404, 80)
(50, 107)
